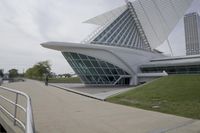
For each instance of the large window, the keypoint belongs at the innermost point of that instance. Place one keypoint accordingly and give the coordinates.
(95, 71)
(190, 69)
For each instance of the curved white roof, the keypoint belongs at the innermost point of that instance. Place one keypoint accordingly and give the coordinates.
(126, 58)
(157, 17)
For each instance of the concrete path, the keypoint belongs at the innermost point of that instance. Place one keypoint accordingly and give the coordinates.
(59, 111)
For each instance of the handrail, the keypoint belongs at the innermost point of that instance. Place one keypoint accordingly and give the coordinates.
(29, 126)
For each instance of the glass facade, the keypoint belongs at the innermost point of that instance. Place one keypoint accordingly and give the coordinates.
(189, 69)
(123, 32)
(95, 71)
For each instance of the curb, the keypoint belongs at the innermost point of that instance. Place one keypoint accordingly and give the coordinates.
(78, 92)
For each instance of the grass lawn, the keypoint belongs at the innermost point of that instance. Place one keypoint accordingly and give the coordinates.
(178, 95)
(65, 80)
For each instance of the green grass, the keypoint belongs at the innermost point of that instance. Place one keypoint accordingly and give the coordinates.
(178, 95)
(65, 80)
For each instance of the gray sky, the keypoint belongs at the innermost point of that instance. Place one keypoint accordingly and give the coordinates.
(24, 24)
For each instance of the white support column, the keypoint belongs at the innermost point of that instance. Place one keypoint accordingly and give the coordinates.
(134, 80)
(170, 48)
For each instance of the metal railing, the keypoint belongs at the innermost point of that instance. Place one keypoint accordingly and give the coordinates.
(28, 126)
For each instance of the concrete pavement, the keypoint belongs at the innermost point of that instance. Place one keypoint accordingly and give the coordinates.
(59, 111)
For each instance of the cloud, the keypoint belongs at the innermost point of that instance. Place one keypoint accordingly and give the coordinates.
(24, 24)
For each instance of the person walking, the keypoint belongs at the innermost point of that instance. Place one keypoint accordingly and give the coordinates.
(46, 80)
(1, 80)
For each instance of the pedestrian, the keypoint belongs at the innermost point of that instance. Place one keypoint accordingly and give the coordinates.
(1, 77)
(46, 80)
(1, 80)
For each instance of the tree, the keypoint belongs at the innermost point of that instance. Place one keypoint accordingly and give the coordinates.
(39, 70)
(42, 68)
(52, 75)
(67, 75)
(13, 73)
(29, 73)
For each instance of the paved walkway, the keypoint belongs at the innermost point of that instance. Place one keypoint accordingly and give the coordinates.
(59, 111)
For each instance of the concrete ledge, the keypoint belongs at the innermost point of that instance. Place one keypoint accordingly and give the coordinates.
(101, 96)
(78, 92)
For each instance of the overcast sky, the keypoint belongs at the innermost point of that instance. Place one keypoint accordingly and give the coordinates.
(24, 24)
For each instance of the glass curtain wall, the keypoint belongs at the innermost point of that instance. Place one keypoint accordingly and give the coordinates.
(122, 32)
(95, 71)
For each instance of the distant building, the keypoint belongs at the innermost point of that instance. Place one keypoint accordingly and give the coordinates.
(192, 33)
